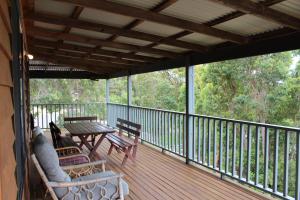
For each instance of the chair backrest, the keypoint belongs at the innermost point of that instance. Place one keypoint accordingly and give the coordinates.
(130, 127)
(55, 134)
(79, 119)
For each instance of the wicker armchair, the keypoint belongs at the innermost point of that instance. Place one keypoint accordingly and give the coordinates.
(89, 181)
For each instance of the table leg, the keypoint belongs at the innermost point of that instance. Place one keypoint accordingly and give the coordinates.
(94, 150)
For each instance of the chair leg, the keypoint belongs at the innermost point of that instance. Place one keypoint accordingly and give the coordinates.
(127, 155)
(110, 149)
(134, 152)
(93, 140)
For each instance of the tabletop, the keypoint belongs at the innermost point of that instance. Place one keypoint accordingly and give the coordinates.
(88, 128)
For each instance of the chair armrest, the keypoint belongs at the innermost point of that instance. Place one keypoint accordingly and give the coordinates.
(85, 169)
(73, 159)
(64, 151)
(82, 185)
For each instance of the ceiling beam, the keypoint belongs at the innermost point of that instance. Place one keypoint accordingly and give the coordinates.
(82, 61)
(158, 18)
(34, 31)
(262, 11)
(59, 20)
(72, 47)
(113, 61)
(75, 63)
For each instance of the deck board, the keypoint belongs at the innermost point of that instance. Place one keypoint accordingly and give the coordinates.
(158, 176)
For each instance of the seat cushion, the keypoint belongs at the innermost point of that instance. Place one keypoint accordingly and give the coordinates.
(103, 190)
(48, 159)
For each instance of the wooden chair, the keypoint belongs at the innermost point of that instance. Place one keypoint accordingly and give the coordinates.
(82, 119)
(58, 140)
(120, 143)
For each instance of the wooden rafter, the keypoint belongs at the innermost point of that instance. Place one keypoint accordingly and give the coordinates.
(87, 40)
(81, 61)
(115, 55)
(54, 19)
(76, 63)
(158, 18)
(114, 61)
(262, 11)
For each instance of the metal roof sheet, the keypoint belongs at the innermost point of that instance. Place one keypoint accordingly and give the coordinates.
(54, 7)
(157, 29)
(92, 34)
(198, 11)
(202, 39)
(170, 48)
(132, 41)
(247, 25)
(290, 7)
(49, 26)
(144, 4)
(103, 17)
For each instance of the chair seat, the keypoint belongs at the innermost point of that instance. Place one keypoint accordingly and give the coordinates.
(106, 188)
(119, 141)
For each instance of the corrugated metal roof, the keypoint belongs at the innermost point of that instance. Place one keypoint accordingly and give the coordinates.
(144, 4)
(157, 29)
(198, 11)
(290, 7)
(92, 34)
(201, 39)
(49, 26)
(248, 25)
(170, 48)
(132, 41)
(114, 49)
(148, 54)
(79, 44)
(102, 17)
(54, 7)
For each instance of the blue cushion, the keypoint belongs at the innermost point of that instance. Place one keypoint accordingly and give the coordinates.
(48, 159)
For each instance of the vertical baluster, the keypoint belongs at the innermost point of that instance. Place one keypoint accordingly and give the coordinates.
(221, 146)
(169, 123)
(208, 142)
(38, 116)
(215, 145)
(172, 132)
(275, 170)
(257, 155)
(241, 150)
(46, 116)
(175, 132)
(266, 158)
(193, 136)
(199, 140)
(203, 141)
(227, 148)
(234, 150)
(286, 164)
(180, 136)
(249, 136)
(297, 195)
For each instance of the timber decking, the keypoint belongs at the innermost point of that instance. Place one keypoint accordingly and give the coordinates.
(159, 176)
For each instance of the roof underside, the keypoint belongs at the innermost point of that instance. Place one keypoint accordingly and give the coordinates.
(111, 38)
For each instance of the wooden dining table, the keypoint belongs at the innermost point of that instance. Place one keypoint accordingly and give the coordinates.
(85, 129)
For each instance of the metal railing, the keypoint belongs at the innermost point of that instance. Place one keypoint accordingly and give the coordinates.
(45, 113)
(261, 155)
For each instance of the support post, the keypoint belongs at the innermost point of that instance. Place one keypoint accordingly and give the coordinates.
(190, 109)
(107, 101)
(129, 95)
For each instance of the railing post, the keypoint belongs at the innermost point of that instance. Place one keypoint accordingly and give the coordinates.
(107, 101)
(129, 95)
(190, 109)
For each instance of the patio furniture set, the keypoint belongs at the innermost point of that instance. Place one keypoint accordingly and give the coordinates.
(70, 174)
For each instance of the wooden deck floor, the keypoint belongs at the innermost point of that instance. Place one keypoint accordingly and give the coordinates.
(159, 176)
